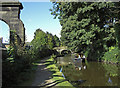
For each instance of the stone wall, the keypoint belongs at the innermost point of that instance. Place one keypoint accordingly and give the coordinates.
(1, 39)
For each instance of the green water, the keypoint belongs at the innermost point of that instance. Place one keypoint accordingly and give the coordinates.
(95, 73)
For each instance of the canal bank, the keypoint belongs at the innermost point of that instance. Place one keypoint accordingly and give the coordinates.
(57, 78)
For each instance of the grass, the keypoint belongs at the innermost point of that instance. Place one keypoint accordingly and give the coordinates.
(57, 75)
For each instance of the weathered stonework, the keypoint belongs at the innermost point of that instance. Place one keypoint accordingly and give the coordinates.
(1, 42)
(10, 14)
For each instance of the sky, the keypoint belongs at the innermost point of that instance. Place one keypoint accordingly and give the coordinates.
(34, 15)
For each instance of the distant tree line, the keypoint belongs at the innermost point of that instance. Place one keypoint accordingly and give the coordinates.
(92, 28)
(43, 43)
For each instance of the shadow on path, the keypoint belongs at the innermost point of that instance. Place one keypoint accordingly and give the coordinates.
(52, 84)
(42, 74)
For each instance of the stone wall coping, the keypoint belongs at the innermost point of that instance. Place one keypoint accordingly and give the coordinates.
(11, 4)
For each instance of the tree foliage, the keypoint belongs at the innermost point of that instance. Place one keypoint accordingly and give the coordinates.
(57, 41)
(43, 43)
(50, 41)
(83, 26)
(45, 40)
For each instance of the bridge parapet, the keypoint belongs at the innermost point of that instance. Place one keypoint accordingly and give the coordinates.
(61, 49)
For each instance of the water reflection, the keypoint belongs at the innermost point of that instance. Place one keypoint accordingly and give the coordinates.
(96, 74)
(62, 73)
(109, 80)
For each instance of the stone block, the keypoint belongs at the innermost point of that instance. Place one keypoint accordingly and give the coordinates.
(6, 8)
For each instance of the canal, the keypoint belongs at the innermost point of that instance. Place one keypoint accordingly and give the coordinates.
(95, 73)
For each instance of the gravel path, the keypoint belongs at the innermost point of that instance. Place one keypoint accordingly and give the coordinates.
(43, 75)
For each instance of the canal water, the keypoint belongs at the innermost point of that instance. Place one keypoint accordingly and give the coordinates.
(94, 74)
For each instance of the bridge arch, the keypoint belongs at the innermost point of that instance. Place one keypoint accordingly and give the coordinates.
(10, 14)
(65, 51)
(62, 50)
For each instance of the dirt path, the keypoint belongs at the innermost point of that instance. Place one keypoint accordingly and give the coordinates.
(43, 75)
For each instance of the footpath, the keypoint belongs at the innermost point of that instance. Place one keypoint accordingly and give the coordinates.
(43, 75)
(48, 75)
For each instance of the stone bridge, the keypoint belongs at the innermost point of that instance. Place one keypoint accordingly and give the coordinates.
(10, 14)
(61, 49)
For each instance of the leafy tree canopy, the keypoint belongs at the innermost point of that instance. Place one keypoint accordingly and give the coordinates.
(83, 25)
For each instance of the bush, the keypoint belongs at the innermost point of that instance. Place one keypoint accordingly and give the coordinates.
(112, 70)
(112, 55)
(18, 61)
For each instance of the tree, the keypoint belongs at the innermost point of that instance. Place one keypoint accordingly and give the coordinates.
(83, 26)
(50, 41)
(56, 41)
(42, 44)
(39, 43)
(116, 14)
(40, 40)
